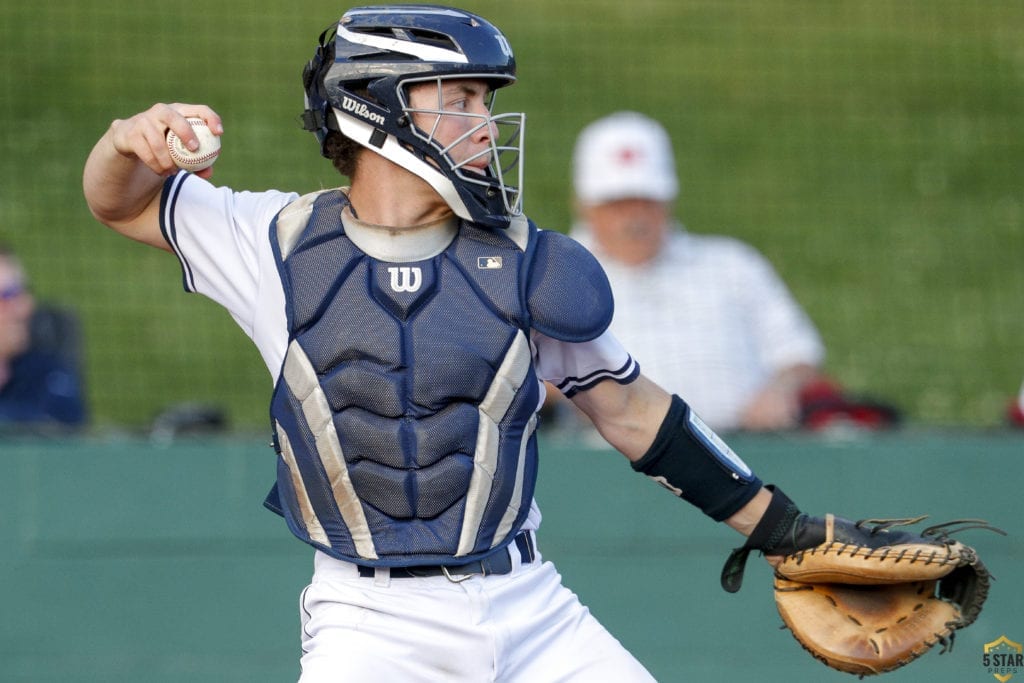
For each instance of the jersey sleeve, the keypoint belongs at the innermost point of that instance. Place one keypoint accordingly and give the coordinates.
(218, 236)
(575, 367)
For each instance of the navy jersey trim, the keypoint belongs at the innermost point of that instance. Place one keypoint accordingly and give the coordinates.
(627, 374)
(168, 203)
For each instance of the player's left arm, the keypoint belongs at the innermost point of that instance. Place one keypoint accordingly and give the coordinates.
(821, 563)
(657, 434)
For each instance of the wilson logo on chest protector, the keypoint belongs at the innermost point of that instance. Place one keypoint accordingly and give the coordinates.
(406, 278)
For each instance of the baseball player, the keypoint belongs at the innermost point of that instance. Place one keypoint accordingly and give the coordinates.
(408, 321)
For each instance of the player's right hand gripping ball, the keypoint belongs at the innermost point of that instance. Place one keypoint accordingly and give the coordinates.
(186, 159)
(866, 598)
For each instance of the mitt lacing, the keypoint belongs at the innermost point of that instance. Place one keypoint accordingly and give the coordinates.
(886, 524)
(939, 533)
(942, 532)
(947, 639)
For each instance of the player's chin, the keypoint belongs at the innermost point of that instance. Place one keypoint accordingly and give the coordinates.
(205, 174)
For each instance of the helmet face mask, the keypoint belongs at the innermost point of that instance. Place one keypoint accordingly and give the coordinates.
(359, 80)
(504, 169)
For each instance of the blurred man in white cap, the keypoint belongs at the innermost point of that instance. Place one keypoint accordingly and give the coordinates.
(706, 316)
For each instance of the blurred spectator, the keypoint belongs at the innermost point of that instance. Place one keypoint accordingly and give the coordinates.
(40, 384)
(1015, 411)
(706, 316)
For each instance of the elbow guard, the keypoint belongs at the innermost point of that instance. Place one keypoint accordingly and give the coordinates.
(693, 462)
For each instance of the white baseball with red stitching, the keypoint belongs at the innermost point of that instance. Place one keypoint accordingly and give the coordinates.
(209, 147)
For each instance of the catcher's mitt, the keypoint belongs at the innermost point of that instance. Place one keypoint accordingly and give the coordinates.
(864, 597)
(869, 598)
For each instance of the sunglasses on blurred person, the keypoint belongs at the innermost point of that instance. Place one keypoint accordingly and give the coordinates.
(13, 291)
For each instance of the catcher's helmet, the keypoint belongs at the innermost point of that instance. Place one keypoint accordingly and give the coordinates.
(357, 83)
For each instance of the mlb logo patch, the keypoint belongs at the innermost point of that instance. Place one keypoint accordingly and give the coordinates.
(488, 262)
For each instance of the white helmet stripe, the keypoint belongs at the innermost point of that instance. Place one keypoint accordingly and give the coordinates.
(403, 11)
(361, 132)
(427, 53)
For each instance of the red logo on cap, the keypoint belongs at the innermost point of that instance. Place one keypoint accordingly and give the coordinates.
(627, 156)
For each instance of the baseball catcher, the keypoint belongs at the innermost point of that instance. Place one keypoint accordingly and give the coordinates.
(866, 597)
(411, 320)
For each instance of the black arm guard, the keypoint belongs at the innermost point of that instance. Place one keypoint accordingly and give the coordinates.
(691, 461)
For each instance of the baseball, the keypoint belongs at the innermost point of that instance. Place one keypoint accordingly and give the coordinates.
(209, 147)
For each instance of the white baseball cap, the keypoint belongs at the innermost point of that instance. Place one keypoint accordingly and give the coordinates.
(625, 155)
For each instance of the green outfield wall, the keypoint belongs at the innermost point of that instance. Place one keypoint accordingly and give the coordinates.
(124, 560)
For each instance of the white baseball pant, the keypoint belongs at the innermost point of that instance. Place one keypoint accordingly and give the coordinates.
(521, 627)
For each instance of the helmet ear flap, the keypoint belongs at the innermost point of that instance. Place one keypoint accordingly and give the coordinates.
(324, 55)
(318, 117)
(310, 70)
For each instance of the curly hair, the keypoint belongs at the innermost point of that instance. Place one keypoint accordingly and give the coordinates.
(342, 151)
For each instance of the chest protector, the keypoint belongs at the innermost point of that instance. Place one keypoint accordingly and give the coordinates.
(405, 412)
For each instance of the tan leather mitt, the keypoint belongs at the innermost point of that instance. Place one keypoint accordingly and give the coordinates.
(865, 597)
(869, 598)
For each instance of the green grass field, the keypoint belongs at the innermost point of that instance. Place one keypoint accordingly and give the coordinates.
(871, 149)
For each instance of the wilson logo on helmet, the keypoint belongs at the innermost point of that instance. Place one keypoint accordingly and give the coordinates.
(361, 110)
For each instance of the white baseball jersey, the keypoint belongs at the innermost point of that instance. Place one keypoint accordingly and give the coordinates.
(708, 319)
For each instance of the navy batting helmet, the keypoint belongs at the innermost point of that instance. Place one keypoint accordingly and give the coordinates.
(357, 83)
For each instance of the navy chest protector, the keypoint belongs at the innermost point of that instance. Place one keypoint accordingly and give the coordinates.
(405, 410)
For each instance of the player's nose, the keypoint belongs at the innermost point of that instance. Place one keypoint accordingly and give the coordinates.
(486, 131)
